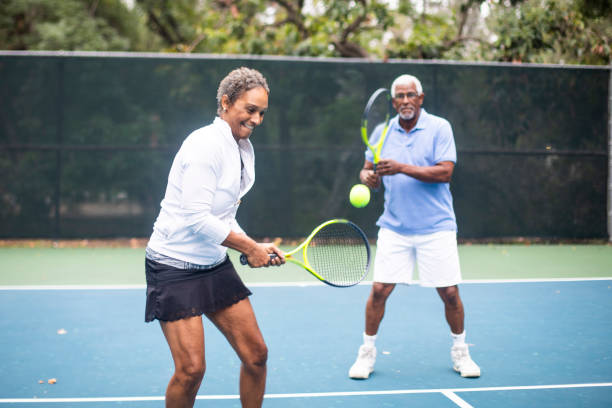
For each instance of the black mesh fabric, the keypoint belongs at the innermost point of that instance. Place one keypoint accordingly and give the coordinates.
(86, 142)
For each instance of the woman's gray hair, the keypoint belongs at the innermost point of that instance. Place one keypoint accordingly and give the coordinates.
(406, 80)
(238, 82)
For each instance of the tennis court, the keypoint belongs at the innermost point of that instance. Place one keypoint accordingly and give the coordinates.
(538, 317)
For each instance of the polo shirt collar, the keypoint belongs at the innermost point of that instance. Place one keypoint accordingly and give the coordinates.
(421, 123)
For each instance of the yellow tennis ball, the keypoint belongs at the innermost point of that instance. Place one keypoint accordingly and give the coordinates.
(360, 195)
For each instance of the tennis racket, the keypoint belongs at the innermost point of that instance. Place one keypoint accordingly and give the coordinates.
(336, 252)
(376, 115)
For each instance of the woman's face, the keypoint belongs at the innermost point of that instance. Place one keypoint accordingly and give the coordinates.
(246, 112)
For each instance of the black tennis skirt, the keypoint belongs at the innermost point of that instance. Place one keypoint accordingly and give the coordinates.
(174, 293)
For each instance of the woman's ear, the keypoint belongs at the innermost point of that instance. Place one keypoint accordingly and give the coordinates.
(225, 103)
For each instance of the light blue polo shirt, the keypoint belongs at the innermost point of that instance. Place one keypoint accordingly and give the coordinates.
(413, 207)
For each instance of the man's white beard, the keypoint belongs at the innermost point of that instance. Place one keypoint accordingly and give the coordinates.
(408, 116)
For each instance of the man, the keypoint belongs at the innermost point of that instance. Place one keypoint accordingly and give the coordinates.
(418, 222)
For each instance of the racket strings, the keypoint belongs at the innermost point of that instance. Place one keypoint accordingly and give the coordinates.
(340, 254)
(377, 115)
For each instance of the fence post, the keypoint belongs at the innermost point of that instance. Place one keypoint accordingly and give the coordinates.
(59, 140)
(610, 155)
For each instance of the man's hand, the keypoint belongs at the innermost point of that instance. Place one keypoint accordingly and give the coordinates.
(438, 173)
(369, 178)
(388, 167)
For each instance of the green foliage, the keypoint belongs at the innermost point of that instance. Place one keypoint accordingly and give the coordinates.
(343, 28)
(552, 31)
(104, 25)
(428, 40)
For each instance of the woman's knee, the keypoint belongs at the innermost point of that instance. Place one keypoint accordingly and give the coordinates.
(191, 371)
(257, 357)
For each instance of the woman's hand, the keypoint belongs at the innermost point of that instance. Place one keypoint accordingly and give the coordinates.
(259, 255)
(279, 259)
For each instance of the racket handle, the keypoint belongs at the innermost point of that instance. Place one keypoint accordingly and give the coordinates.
(375, 189)
(244, 261)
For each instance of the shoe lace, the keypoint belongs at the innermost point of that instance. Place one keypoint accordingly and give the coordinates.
(460, 353)
(366, 352)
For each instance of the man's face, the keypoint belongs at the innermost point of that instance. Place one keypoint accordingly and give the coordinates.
(246, 113)
(406, 101)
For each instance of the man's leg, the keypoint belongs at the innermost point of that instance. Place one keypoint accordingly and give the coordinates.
(375, 310)
(239, 326)
(375, 307)
(453, 309)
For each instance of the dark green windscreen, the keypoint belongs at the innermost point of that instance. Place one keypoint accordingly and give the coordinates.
(86, 142)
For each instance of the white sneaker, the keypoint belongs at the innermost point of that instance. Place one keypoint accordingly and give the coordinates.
(463, 363)
(364, 365)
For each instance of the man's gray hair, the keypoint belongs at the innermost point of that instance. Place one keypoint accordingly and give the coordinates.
(406, 80)
(237, 82)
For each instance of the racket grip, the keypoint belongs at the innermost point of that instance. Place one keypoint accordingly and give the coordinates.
(375, 189)
(244, 261)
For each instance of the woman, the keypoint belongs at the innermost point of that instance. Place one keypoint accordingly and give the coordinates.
(187, 268)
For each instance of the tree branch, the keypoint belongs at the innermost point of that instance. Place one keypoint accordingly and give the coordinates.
(347, 48)
(195, 43)
(160, 28)
(350, 50)
(93, 7)
(230, 5)
(294, 16)
(459, 39)
(174, 25)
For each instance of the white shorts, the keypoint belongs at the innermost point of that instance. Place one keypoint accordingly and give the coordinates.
(436, 256)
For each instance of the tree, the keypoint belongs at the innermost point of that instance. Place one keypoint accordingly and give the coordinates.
(448, 30)
(88, 25)
(331, 28)
(551, 31)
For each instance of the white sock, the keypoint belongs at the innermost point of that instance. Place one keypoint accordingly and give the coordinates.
(458, 339)
(369, 340)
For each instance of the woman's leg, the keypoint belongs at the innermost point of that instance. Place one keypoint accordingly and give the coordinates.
(186, 340)
(239, 326)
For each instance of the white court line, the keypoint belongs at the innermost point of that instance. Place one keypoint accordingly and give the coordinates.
(285, 284)
(444, 391)
(72, 287)
(456, 399)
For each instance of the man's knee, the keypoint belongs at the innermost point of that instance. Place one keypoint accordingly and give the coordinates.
(380, 292)
(450, 296)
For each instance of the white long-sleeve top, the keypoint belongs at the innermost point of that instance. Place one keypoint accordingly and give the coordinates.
(206, 182)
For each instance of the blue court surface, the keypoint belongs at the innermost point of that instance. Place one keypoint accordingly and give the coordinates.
(539, 344)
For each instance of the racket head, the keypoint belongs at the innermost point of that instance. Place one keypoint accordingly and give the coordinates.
(375, 120)
(337, 253)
